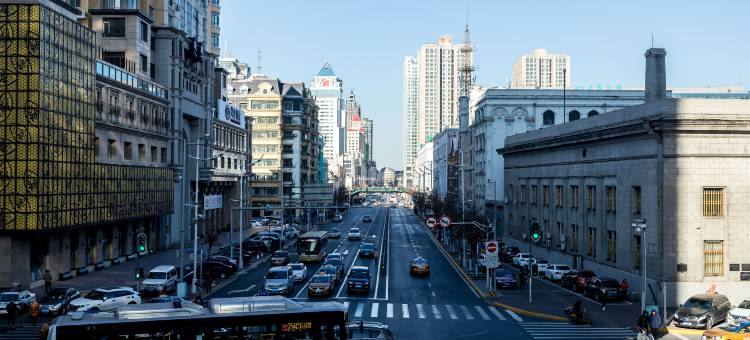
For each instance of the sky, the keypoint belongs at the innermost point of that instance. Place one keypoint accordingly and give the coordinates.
(707, 43)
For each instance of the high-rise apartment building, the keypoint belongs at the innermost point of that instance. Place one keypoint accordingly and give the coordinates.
(410, 145)
(367, 125)
(437, 89)
(214, 29)
(541, 70)
(328, 93)
(355, 142)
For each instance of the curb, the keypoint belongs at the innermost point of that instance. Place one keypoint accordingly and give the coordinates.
(674, 330)
(528, 312)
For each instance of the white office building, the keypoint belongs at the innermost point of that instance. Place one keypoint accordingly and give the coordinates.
(328, 93)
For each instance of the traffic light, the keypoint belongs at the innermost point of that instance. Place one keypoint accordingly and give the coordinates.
(534, 270)
(536, 234)
(141, 246)
(139, 273)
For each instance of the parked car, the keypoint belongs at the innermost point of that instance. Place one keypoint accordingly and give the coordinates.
(741, 313)
(702, 311)
(162, 278)
(232, 267)
(279, 280)
(367, 249)
(419, 266)
(21, 297)
(280, 258)
(255, 245)
(603, 288)
(541, 266)
(504, 278)
(359, 280)
(354, 234)
(367, 219)
(331, 271)
(58, 300)
(106, 299)
(577, 280)
(212, 270)
(320, 284)
(555, 272)
(334, 233)
(234, 254)
(728, 331)
(225, 260)
(521, 259)
(299, 271)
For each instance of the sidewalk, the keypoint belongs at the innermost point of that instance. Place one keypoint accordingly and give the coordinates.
(124, 274)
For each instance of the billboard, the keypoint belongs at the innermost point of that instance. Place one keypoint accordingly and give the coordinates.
(231, 114)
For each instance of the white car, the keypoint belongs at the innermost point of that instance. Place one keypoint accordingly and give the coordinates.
(162, 278)
(354, 234)
(541, 265)
(22, 298)
(335, 256)
(299, 271)
(106, 299)
(555, 272)
(521, 259)
(739, 314)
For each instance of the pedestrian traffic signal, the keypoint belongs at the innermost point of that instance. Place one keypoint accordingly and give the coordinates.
(141, 246)
(139, 273)
(536, 234)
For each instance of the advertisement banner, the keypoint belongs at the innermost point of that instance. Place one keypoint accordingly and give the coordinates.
(231, 114)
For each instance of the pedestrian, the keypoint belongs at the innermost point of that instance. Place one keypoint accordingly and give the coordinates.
(624, 288)
(522, 278)
(643, 321)
(34, 309)
(654, 322)
(12, 310)
(643, 335)
(604, 302)
(47, 281)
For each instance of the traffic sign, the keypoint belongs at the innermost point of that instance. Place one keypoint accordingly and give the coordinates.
(491, 247)
(431, 222)
(445, 221)
(491, 258)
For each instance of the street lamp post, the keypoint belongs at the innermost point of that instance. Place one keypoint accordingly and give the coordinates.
(640, 226)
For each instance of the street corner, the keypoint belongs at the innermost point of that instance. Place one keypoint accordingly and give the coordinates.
(525, 311)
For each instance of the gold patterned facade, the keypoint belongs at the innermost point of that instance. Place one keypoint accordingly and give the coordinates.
(48, 174)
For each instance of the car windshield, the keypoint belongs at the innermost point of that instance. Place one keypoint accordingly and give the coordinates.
(95, 295)
(562, 268)
(698, 303)
(611, 284)
(279, 254)
(320, 279)
(367, 246)
(360, 274)
(7, 297)
(160, 275)
(503, 273)
(353, 230)
(334, 262)
(744, 304)
(732, 328)
(56, 294)
(419, 260)
(276, 274)
(309, 244)
(297, 266)
(329, 270)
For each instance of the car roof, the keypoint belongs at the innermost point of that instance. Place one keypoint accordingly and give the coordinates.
(112, 289)
(706, 296)
(163, 268)
(360, 268)
(278, 269)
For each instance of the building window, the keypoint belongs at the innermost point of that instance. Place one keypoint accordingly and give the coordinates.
(112, 150)
(114, 27)
(548, 118)
(144, 31)
(214, 18)
(611, 245)
(545, 195)
(574, 115)
(144, 63)
(574, 238)
(636, 200)
(574, 196)
(637, 251)
(163, 155)
(713, 202)
(523, 194)
(591, 197)
(96, 146)
(287, 177)
(236, 163)
(154, 154)
(215, 40)
(142, 152)
(128, 151)
(222, 162)
(713, 258)
(114, 58)
(611, 199)
(558, 196)
(591, 242)
(593, 113)
(534, 194)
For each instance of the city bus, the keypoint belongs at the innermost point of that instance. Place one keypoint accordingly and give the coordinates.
(258, 317)
(312, 246)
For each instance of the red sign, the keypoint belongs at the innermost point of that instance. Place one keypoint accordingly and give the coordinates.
(491, 247)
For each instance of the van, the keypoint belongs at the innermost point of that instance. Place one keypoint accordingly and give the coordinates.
(162, 278)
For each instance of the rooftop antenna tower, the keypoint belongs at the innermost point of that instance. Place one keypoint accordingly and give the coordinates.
(259, 68)
(466, 69)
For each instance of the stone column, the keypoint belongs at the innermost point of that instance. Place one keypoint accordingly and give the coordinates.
(55, 256)
(129, 236)
(80, 250)
(15, 261)
(114, 244)
(65, 265)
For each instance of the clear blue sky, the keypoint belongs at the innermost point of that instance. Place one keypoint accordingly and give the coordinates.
(707, 42)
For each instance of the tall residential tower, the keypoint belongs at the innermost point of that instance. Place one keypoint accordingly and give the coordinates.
(541, 70)
(327, 91)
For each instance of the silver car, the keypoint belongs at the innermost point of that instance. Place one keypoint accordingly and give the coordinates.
(22, 298)
(299, 271)
(279, 280)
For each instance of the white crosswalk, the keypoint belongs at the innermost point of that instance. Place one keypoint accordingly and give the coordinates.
(562, 330)
(420, 311)
(22, 333)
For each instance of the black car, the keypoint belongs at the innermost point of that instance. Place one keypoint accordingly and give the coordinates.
(359, 280)
(504, 278)
(254, 245)
(367, 219)
(224, 260)
(58, 300)
(367, 250)
(703, 311)
(215, 270)
(234, 254)
(603, 288)
(231, 267)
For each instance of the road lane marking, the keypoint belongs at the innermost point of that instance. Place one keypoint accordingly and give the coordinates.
(482, 313)
(436, 312)
(514, 315)
(360, 308)
(466, 312)
(347, 274)
(405, 310)
(451, 312)
(389, 310)
(420, 311)
(374, 311)
(232, 292)
(497, 313)
(380, 259)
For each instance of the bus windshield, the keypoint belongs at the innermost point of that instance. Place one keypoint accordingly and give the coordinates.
(309, 245)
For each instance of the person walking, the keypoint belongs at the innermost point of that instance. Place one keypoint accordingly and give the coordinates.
(643, 321)
(522, 278)
(47, 281)
(34, 310)
(654, 322)
(12, 310)
(604, 302)
(624, 288)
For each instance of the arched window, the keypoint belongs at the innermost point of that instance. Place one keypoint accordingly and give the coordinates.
(593, 113)
(574, 115)
(548, 118)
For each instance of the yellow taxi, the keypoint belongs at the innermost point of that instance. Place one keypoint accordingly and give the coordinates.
(419, 266)
(728, 331)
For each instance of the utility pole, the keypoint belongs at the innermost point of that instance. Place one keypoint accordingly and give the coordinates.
(640, 226)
